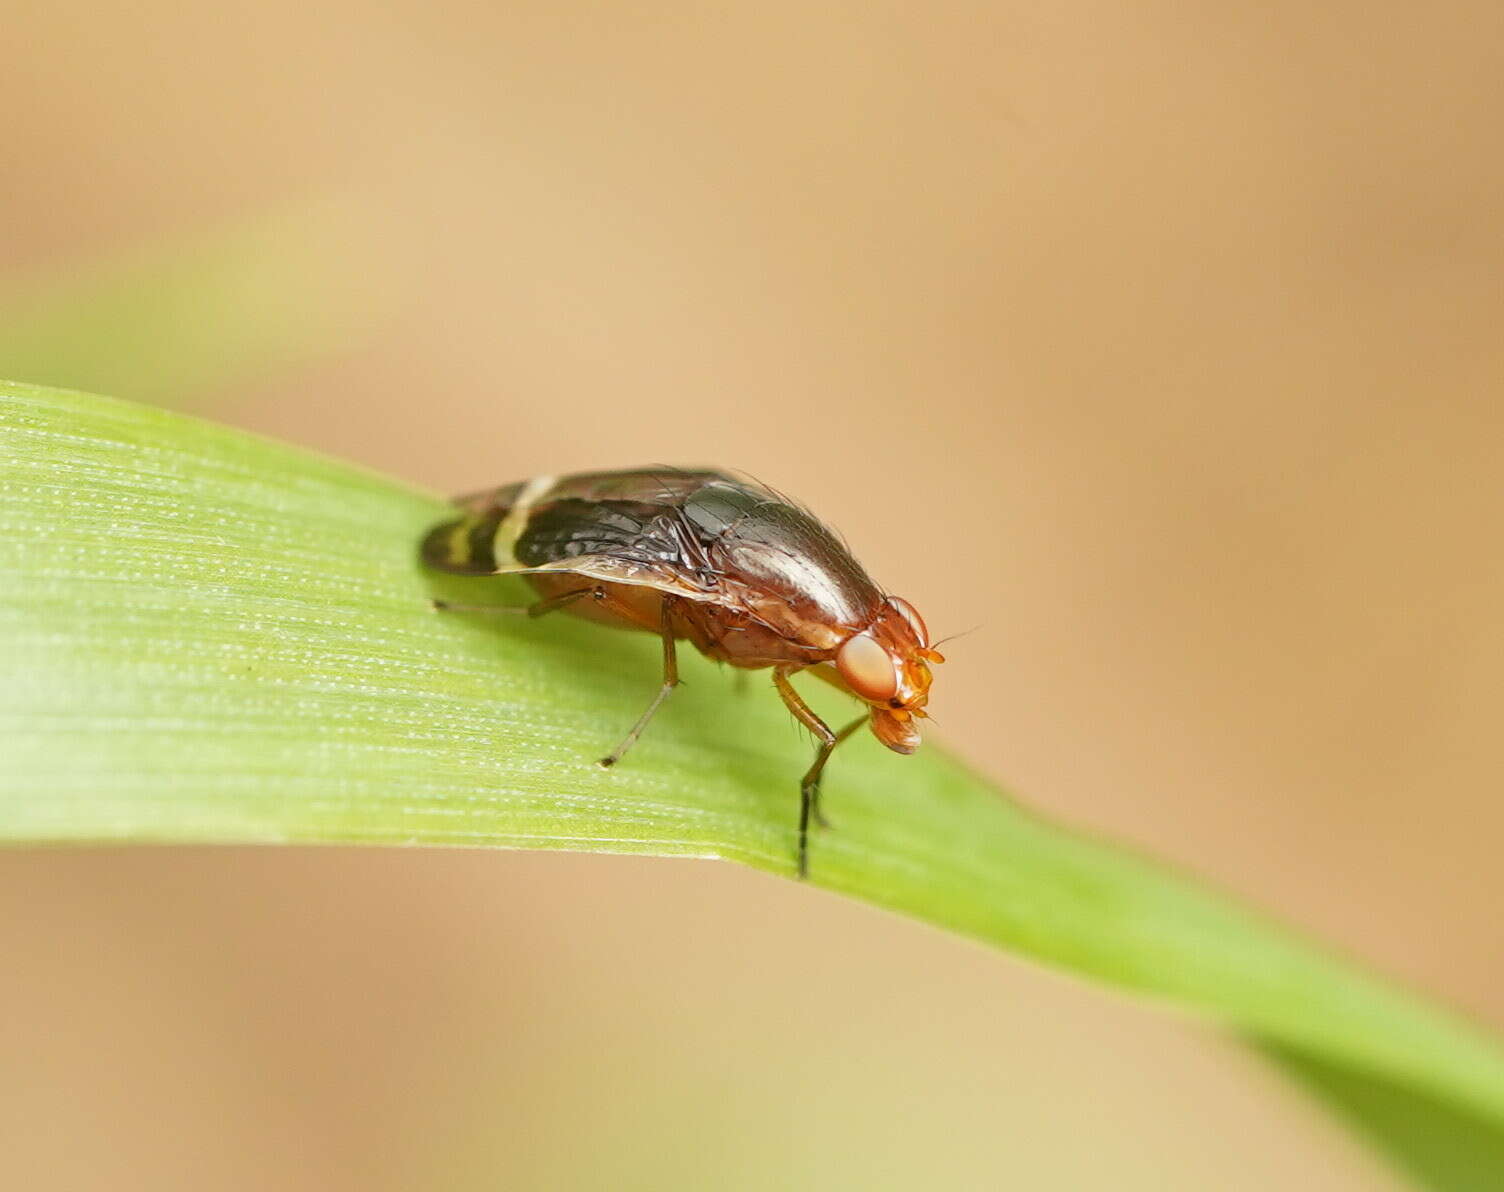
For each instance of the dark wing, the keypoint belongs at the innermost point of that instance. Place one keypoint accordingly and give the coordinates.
(620, 527)
(699, 534)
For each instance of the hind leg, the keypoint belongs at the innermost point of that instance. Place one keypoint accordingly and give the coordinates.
(536, 609)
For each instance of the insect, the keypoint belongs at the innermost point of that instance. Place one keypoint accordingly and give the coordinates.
(742, 573)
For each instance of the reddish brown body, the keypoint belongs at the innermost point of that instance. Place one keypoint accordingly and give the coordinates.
(737, 570)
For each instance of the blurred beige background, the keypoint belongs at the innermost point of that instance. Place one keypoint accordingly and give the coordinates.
(1162, 343)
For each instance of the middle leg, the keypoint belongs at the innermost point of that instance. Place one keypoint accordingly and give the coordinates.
(670, 681)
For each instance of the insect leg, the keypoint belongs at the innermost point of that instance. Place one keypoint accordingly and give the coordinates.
(536, 609)
(809, 785)
(814, 810)
(670, 681)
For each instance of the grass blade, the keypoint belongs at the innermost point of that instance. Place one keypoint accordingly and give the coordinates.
(207, 637)
(169, 322)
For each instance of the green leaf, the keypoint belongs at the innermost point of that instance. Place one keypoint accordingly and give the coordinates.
(168, 321)
(207, 637)
(1441, 1144)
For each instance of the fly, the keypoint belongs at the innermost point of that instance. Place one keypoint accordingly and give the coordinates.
(737, 570)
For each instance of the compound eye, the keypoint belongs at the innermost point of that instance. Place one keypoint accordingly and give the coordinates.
(916, 622)
(867, 668)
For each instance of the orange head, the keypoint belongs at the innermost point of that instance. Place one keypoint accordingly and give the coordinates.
(888, 665)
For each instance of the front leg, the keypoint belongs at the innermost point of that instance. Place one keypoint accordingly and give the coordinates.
(809, 785)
